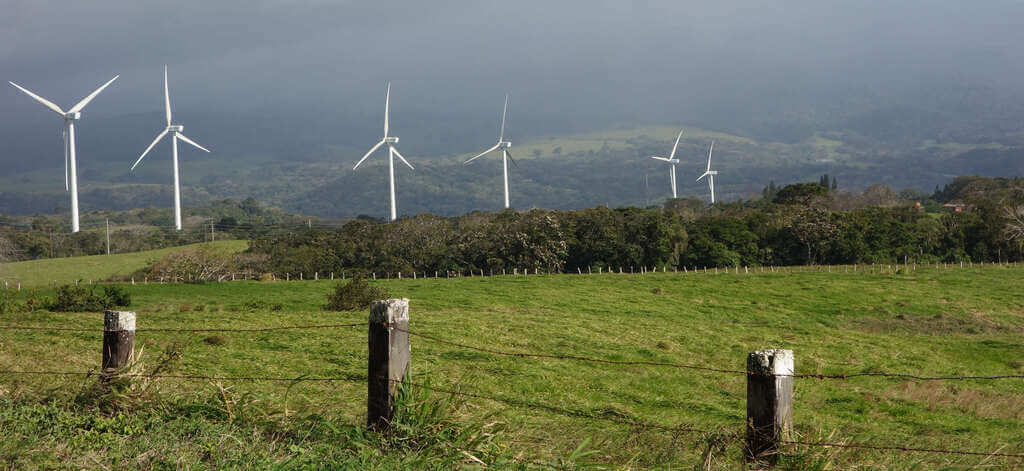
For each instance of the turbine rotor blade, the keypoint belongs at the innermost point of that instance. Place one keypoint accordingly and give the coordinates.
(167, 98)
(501, 135)
(158, 137)
(406, 162)
(372, 149)
(190, 141)
(702, 176)
(676, 145)
(481, 154)
(66, 150)
(47, 103)
(712, 149)
(85, 101)
(660, 158)
(387, 108)
(510, 159)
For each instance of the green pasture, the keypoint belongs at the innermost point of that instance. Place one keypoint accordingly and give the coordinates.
(933, 322)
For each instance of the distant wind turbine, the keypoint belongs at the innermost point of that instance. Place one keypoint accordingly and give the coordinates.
(392, 152)
(175, 131)
(710, 173)
(504, 145)
(70, 163)
(672, 160)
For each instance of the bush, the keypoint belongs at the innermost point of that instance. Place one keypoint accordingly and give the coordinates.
(71, 298)
(195, 265)
(354, 295)
(6, 302)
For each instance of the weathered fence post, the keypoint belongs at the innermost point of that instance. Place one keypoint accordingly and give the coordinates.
(118, 342)
(769, 403)
(388, 359)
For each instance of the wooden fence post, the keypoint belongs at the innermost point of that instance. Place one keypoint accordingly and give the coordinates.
(388, 359)
(769, 403)
(118, 341)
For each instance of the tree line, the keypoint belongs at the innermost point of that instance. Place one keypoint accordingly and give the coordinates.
(806, 223)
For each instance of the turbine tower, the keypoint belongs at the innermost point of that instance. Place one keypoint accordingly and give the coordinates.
(672, 160)
(504, 145)
(175, 131)
(710, 173)
(70, 163)
(392, 152)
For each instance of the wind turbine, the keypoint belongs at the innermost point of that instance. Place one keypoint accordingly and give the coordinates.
(70, 163)
(175, 131)
(504, 145)
(672, 160)
(392, 152)
(710, 173)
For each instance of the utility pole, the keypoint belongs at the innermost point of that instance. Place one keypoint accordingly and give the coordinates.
(213, 236)
(309, 224)
(108, 236)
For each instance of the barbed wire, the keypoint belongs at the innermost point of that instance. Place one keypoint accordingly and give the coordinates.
(264, 329)
(903, 448)
(296, 379)
(700, 368)
(554, 409)
(730, 436)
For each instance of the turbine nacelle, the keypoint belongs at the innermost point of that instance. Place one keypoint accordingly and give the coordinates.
(390, 140)
(175, 128)
(72, 115)
(504, 144)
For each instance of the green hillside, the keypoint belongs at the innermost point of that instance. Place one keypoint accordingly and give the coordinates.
(44, 272)
(559, 172)
(932, 322)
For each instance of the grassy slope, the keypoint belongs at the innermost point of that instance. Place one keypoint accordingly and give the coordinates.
(932, 322)
(39, 273)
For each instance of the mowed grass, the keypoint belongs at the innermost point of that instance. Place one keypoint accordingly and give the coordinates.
(933, 322)
(44, 272)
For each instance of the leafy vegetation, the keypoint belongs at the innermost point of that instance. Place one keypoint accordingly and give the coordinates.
(929, 321)
(72, 298)
(804, 224)
(355, 294)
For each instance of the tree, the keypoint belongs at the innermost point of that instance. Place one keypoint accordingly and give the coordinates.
(813, 227)
(803, 194)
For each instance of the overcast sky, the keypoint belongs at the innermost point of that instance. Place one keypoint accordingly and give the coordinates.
(591, 61)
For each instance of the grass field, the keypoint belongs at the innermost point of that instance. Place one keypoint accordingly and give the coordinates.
(44, 272)
(929, 322)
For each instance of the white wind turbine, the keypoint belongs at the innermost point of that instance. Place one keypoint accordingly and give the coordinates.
(70, 163)
(392, 152)
(504, 145)
(175, 131)
(710, 173)
(672, 160)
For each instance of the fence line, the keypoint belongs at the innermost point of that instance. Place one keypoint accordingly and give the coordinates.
(870, 269)
(732, 436)
(700, 368)
(264, 329)
(297, 379)
(903, 448)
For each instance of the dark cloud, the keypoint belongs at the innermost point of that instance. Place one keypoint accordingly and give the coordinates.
(578, 63)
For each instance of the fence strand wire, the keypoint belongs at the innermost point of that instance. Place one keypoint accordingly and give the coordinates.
(696, 367)
(261, 329)
(297, 379)
(903, 448)
(554, 409)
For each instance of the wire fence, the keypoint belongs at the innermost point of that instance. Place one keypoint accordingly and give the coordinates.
(727, 433)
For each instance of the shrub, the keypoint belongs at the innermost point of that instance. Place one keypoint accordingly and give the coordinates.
(71, 298)
(194, 265)
(6, 302)
(354, 295)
